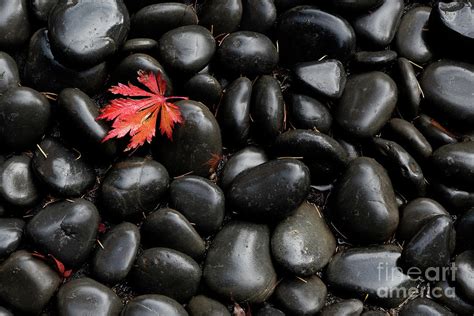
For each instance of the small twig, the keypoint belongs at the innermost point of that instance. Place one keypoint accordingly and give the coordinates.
(419, 88)
(42, 151)
(100, 244)
(183, 175)
(415, 64)
(289, 157)
(70, 201)
(79, 153)
(320, 59)
(301, 279)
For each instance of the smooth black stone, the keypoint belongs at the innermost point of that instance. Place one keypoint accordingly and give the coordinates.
(205, 89)
(364, 194)
(128, 69)
(46, 73)
(309, 113)
(376, 59)
(351, 6)
(268, 310)
(352, 150)
(303, 243)
(349, 307)
(167, 272)
(416, 214)
(378, 27)
(5, 312)
(306, 33)
(10, 77)
(435, 133)
(270, 191)
(326, 78)
(258, 16)
(17, 184)
(135, 5)
(410, 93)
(60, 170)
(267, 108)
(449, 296)
(222, 16)
(301, 298)
(455, 200)
(14, 24)
(153, 305)
(241, 161)
(238, 264)
(465, 230)
(411, 39)
(366, 104)
(200, 200)
(234, 112)
(155, 20)
(323, 155)
(78, 118)
(406, 174)
(454, 164)
(87, 44)
(65, 229)
(204, 306)
(355, 271)
(451, 24)
(247, 53)
(140, 46)
(87, 297)
(27, 282)
(424, 307)
(283, 5)
(450, 101)
(114, 261)
(11, 232)
(42, 8)
(409, 137)
(186, 49)
(24, 117)
(375, 313)
(464, 265)
(133, 186)
(194, 143)
(432, 246)
(170, 229)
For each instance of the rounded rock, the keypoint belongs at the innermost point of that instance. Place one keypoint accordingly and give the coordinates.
(11, 232)
(152, 305)
(223, 16)
(10, 76)
(204, 306)
(309, 113)
(14, 24)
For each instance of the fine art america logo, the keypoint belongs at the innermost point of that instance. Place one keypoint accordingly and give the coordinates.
(392, 275)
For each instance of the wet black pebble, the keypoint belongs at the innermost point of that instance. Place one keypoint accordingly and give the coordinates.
(374, 59)
(349, 307)
(309, 113)
(11, 232)
(10, 77)
(221, 16)
(409, 87)
(434, 132)
(424, 306)
(200, 200)
(205, 89)
(204, 306)
(464, 265)
(258, 16)
(152, 305)
(465, 230)
(14, 24)
(140, 45)
(42, 8)
(86, 296)
(114, 260)
(65, 229)
(133, 186)
(450, 297)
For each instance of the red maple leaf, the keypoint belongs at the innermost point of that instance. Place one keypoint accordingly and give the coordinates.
(58, 264)
(137, 116)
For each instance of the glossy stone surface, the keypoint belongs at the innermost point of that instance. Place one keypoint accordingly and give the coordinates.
(366, 104)
(75, 297)
(464, 264)
(139, 45)
(24, 117)
(186, 49)
(410, 93)
(205, 89)
(374, 59)
(359, 6)
(152, 305)
(42, 8)
(355, 271)
(17, 184)
(204, 306)
(87, 44)
(247, 53)
(45, 72)
(303, 243)
(201, 201)
(134, 180)
(14, 24)
(364, 194)
(10, 76)
(270, 191)
(449, 297)
(238, 263)
(60, 169)
(308, 113)
(11, 232)
(306, 33)
(349, 307)
(434, 132)
(223, 16)
(66, 229)
(113, 262)
(258, 16)
(194, 143)
(454, 164)
(27, 282)
(423, 306)
(167, 272)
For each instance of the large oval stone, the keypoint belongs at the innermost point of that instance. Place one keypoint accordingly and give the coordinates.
(366, 104)
(454, 164)
(239, 265)
(194, 143)
(85, 33)
(303, 243)
(222, 16)
(270, 191)
(306, 33)
(14, 24)
(364, 194)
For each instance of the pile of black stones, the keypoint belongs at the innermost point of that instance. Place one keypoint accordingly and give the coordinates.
(325, 165)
